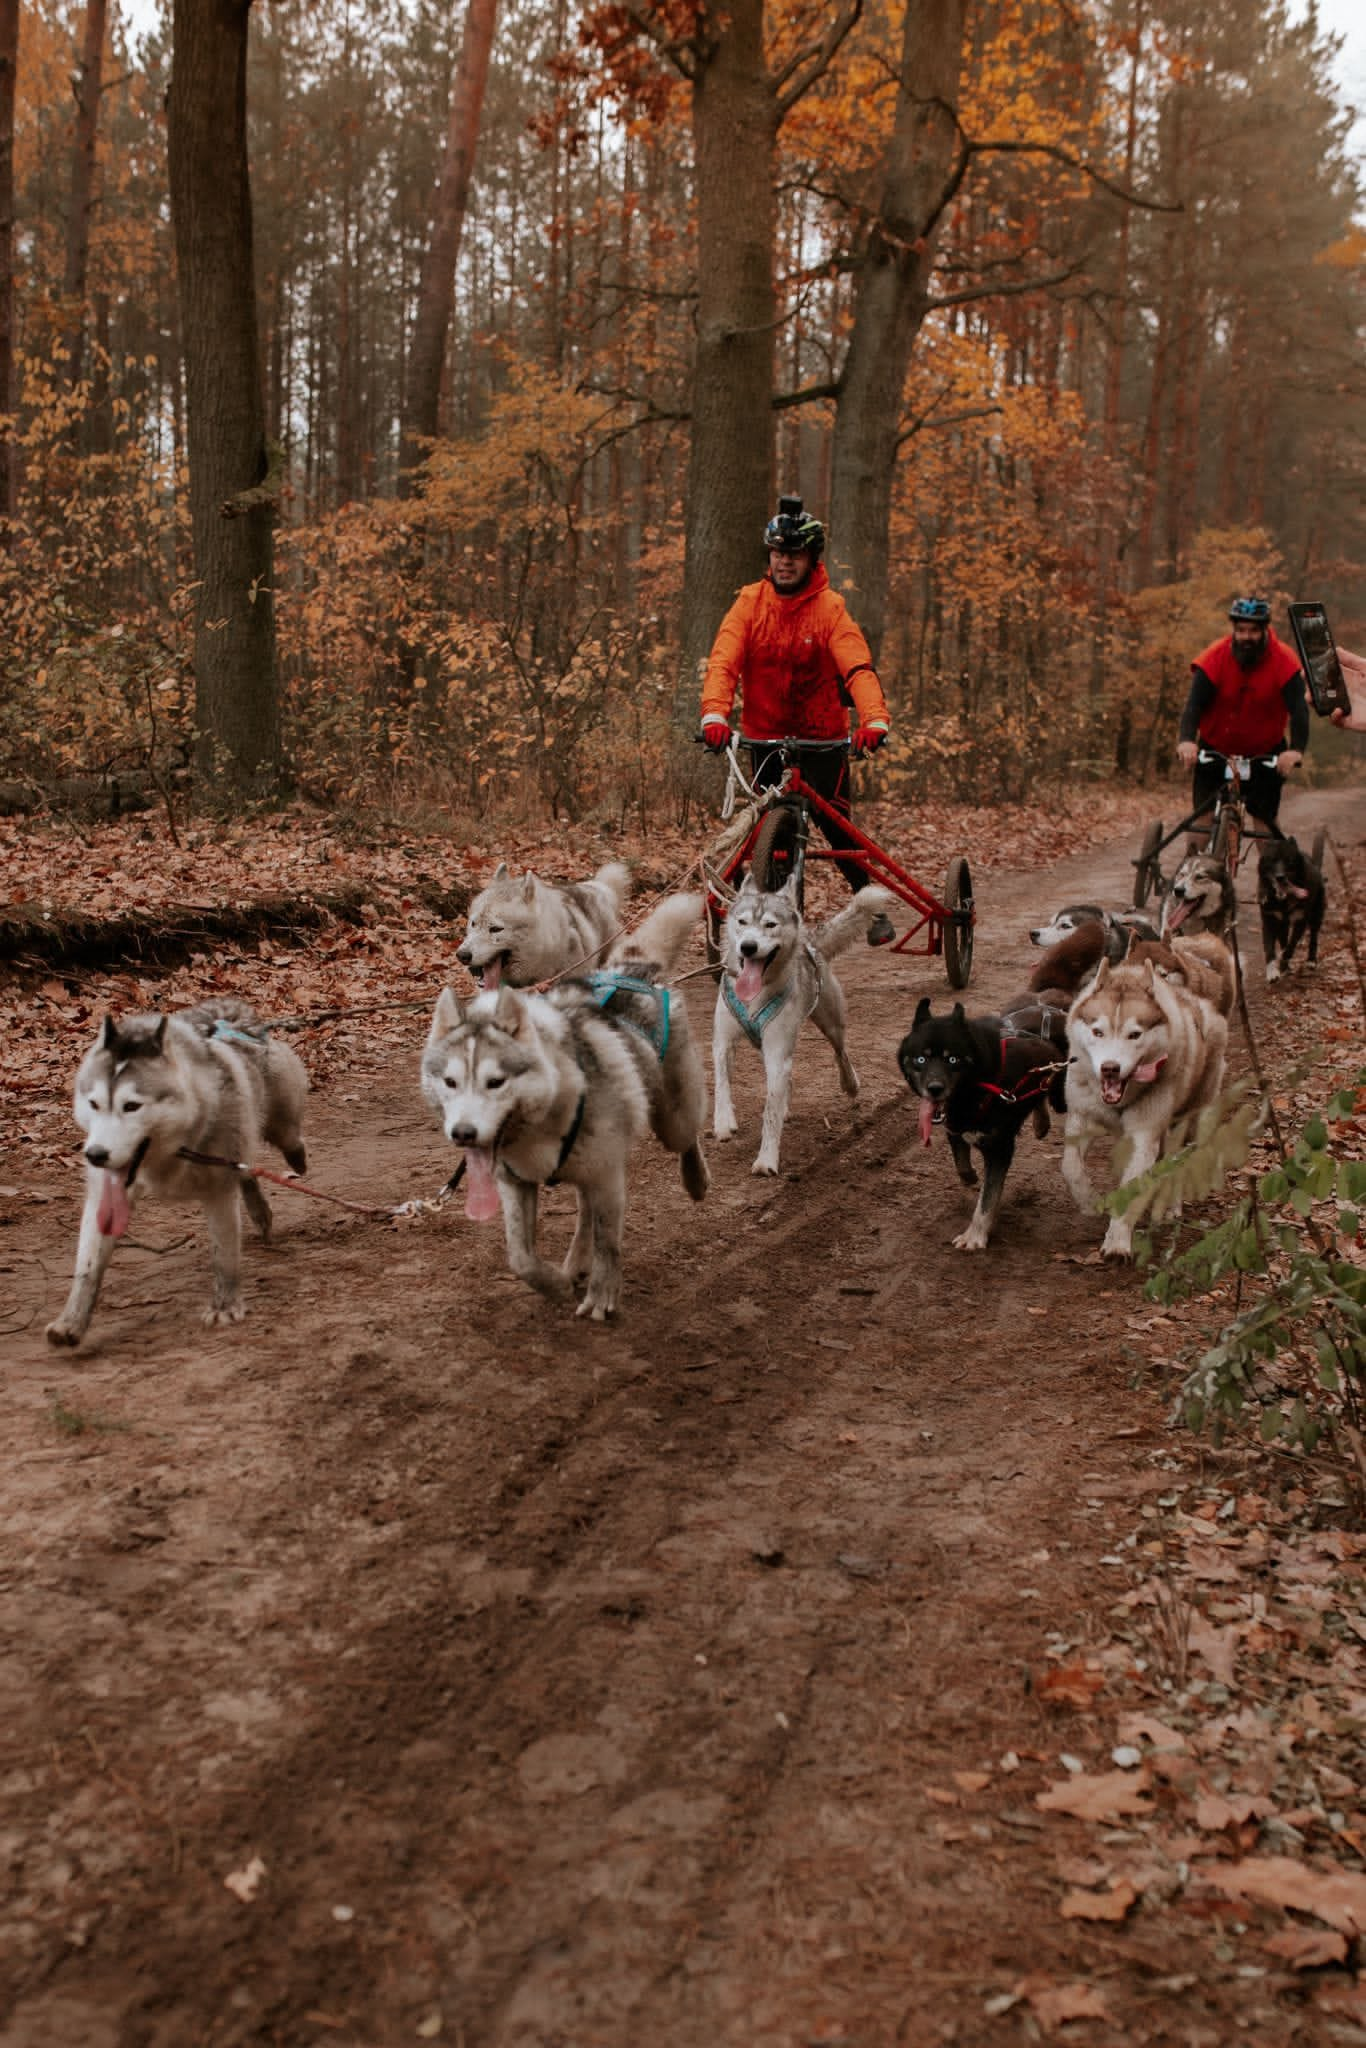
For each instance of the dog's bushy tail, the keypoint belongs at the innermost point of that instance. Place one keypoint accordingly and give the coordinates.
(850, 924)
(655, 947)
(615, 878)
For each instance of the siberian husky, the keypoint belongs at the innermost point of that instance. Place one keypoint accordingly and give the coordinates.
(150, 1088)
(1201, 898)
(1204, 963)
(1144, 1050)
(542, 1088)
(775, 973)
(523, 930)
(1291, 900)
(981, 1077)
(1116, 926)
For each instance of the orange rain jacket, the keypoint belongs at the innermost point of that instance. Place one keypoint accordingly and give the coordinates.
(798, 661)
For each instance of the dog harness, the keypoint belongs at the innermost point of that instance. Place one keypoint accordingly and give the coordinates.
(234, 1032)
(566, 1147)
(605, 986)
(753, 1026)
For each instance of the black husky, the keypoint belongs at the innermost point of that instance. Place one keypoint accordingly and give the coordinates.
(1291, 899)
(981, 1077)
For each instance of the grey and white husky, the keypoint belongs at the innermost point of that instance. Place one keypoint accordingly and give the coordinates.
(541, 1088)
(522, 930)
(152, 1087)
(775, 973)
(1201, 898)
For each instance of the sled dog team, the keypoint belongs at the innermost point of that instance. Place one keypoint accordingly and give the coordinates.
(1122, 1028)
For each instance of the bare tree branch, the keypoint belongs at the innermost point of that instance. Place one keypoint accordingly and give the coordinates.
(683, 52)
(813, 59)
(1008, 291)
(948, 419)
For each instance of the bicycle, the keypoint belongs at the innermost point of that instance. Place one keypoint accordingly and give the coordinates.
(777, 845)
(1228, 832)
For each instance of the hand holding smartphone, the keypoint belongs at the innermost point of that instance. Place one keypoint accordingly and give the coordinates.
(1319, 659)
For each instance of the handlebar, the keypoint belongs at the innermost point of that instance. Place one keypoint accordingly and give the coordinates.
(789, 744)
(1235, 761)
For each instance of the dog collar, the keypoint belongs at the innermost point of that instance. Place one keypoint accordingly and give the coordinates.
(566, 1147)
(754, 1025)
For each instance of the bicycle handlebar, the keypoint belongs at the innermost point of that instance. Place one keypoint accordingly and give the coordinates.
(1260, 760)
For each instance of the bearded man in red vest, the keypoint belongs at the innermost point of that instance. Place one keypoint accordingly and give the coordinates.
(1245, 690)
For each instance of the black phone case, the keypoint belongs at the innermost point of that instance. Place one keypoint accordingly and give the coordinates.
(1327, 692)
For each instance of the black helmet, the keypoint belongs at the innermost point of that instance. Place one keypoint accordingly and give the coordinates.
(1250, 611)
(792, 528)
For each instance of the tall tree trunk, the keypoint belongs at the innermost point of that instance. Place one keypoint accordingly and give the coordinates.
(9, 447)
(422, 416)
(236, 690)
(730, 460)
(889, 308)
(89, 86)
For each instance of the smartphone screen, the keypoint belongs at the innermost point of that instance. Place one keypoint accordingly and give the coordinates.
(1322, 669)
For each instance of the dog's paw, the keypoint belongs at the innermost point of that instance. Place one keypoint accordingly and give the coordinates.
(973, 1239)
(722, 1132)
(1273, 972)
(597, 1310)
(1118, 1243)
(63, 1333)
(216, 1318)
(764, 1166)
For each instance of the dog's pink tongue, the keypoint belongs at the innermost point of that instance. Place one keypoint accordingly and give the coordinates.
(926, 1121)
(749, 981)
(493, 972)
(1178, 914)
(112, 1217)
(481, 1191)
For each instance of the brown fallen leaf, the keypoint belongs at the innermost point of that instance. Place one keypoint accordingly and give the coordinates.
(1104, 1797)
(941, 1795)
(1308, 1948)
(1213, 1811)
(1147, 1728)
(1335, 1896)
(1054, 2005)
(1218, 1646)
(1112, 1905)
(972, 1781)
(1068, 1685)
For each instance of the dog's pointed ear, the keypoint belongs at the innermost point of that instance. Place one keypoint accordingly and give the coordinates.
(959, 1014)
(509, 1012)
(156, 1044)
(922, 1011)
(529, 886)
(449, 1012)
(109, 1035)
(500, 873)
(1133, 945)
(1102, 974)
(790, 888)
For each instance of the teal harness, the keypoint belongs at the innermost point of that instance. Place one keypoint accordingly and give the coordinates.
(753, 1026)
(256, 1039)
(605, 986)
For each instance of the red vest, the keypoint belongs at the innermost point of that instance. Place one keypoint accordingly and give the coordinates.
(1248, 715)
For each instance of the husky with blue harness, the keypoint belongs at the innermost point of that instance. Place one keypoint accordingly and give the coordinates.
(538, 1088)
(153, 1094)
(775, 974)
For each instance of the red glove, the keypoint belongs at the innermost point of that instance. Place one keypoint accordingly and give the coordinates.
(716, 734)
(868, 739)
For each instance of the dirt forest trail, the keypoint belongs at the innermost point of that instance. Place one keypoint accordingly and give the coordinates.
(573, 1685)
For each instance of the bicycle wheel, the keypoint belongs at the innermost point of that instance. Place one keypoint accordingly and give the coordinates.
(1147, 873)
(958, 924)
(775, 850)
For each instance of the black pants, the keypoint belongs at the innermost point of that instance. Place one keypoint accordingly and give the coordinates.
(828, 775)
(1261, 791)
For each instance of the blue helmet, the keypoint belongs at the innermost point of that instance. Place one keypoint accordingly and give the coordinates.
(792, 528)
(1250, 611)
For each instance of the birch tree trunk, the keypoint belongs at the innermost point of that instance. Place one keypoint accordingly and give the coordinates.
(231, 505)
(890, 303)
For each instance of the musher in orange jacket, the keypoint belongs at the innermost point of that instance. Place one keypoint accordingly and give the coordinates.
(799, 661)
(1245, 690)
